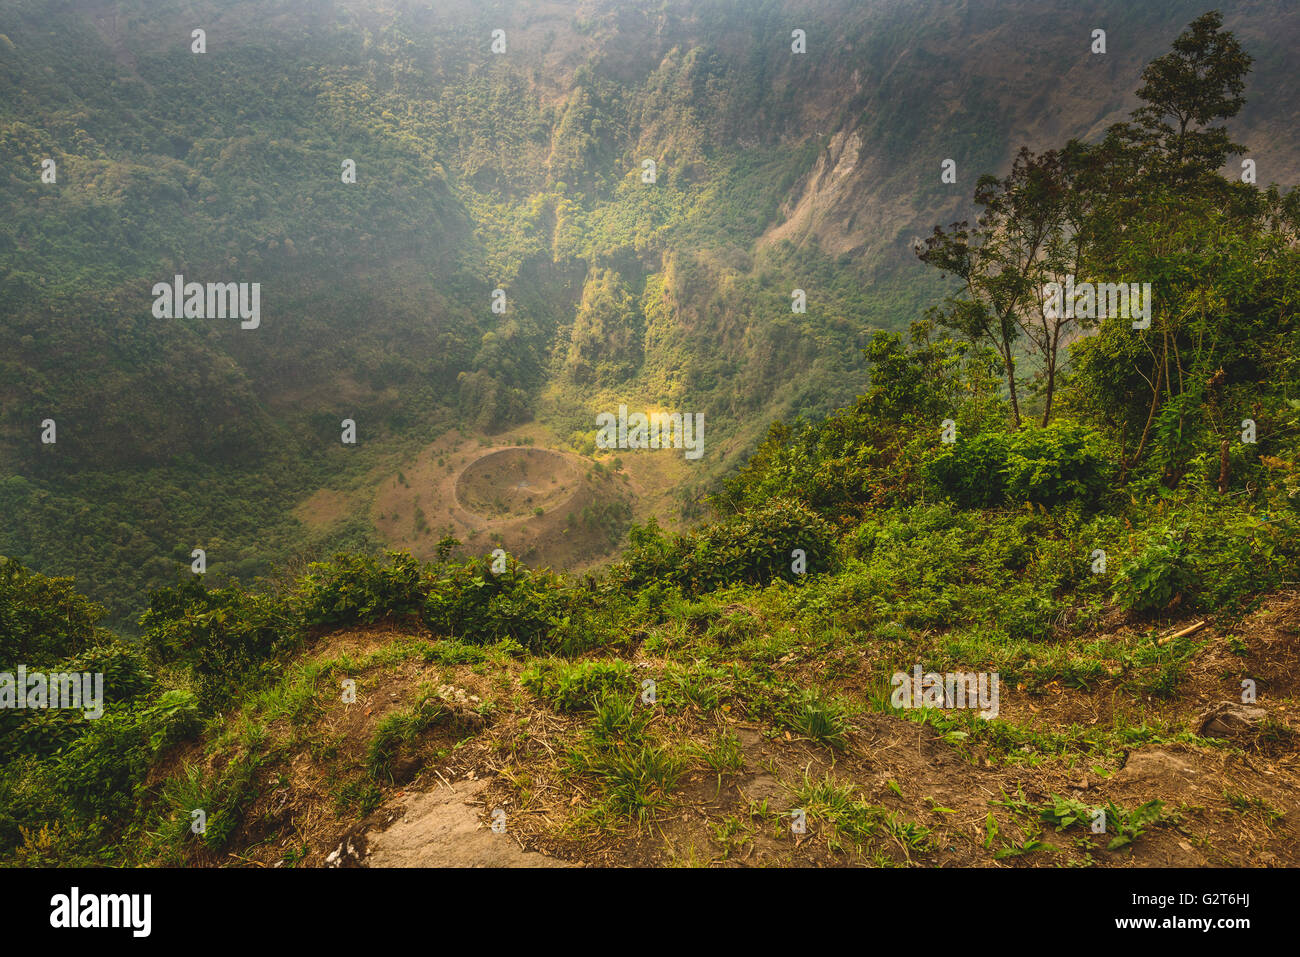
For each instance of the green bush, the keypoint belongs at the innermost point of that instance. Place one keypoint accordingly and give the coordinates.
(1216, 562)
(1062, 463)
(45, 731)
(225, 636)
(1160, 571)
(92, 786)
(42, 619)
(754, 547)
(358, 588)
(651, 557)
(471, 602)
(970, 470)
(578, 685)
(757, 546)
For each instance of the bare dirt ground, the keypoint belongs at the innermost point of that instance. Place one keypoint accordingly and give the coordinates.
(1229, 797)
(534, 501)
(482, 490)
(529, 501)
(511, 483)
(441, 828)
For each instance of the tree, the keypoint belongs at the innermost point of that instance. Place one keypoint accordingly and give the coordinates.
(1003, 262)
(1134, 205)
(1184, 92)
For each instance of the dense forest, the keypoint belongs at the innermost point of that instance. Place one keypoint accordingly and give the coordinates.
(1102, 509)
(476, 172)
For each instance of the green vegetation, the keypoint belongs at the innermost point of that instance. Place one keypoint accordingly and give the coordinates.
(473, 174)
(1071, 519)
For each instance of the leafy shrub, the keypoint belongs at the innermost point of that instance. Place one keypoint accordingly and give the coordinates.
(651, 557)
(225, 636)
(44, 731)
(1217, 561)
(1159, 572)
(42, 619)
(1238, 555)
(578, 685)
(755, 547)
(358, 588)
(1064, 462)
(98, 773)
(124, 667)
(865, 455)
(471, 602)
(970, 471)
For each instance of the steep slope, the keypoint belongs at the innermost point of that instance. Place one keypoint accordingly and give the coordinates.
(478, 171)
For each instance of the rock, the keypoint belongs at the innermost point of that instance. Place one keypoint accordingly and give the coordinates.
(1151, 765)
(1229, 720)
(439, 828)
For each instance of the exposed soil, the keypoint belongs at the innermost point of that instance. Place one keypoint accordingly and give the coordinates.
(533, 502)
(517, 482)
(498, 754)
(487, 492)
(441, 828)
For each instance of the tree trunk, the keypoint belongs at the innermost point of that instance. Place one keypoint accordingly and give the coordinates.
(1011, 383)
(1146, 429)
(1051, 383)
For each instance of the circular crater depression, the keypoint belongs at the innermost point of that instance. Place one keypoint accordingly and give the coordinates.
(512, 483)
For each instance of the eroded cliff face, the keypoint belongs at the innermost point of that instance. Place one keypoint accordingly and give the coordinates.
(842, 207)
